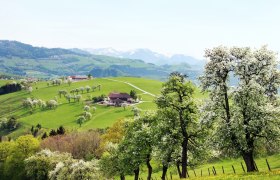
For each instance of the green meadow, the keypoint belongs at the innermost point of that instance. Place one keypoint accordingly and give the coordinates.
(66, 113)
(195, 172)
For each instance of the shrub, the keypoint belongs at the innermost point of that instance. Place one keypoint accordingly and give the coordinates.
(99, 98)
(79, 144)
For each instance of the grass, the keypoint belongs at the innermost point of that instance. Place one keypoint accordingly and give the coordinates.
(67, 113)
(274, 162)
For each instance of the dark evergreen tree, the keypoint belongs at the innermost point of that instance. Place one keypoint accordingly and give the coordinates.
(53, 132)
(60, 130)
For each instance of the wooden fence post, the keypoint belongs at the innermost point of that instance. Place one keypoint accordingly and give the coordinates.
(256, 166)
(233, 169)
(267, 164)
(171, 175)
(201, 173)
(194, 172)
(214, 170)
(208, 171)
(242, 167)
(223, 169)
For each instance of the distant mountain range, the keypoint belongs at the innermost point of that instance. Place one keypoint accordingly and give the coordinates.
(26, 60)
(150, 56)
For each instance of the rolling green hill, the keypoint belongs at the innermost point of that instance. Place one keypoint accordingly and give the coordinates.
(66, 113)
(26, 60)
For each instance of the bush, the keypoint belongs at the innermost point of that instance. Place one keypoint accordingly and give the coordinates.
(22, 148)
(99, 98)
(80, 145)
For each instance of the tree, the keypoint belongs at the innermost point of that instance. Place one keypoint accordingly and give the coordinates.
(52, 104)
(79, 97)
(53, 132)
(5, 148)
(30, 89)
(12, 124)
(77, 90)
(168, 141)
(3, 123)
(82, 89)
(87, 88)
(62, 92)
(177, 95)
(44, 136)
(248, 112)
(69, 82)
(81, 145)
(87, 115)
(86, 108)
(94, 108)
(133, 94)
(39, 126)
(60, 130)
(110, 164)
(68, 97)
(23, 147)
(80, 120)
(138, 142)
(136, 111)
(39, 165)
(113, 135)
(41, 103)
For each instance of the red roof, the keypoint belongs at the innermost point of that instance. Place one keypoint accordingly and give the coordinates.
(79, 77)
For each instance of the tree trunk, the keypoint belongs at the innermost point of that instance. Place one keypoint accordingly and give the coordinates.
(150, 169)
(122, 177)
(178, 169)
(164, 171)
(184, 158)
(136, 174)
(249, 161)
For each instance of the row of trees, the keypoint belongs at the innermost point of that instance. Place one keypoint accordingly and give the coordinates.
(33, 103)
(170, 135)
(9, 124)
(86, 115)
(234, 120)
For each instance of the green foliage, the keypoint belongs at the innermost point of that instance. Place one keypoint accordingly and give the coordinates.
(179, 111)
(22, 148)
(80, 120)
(10, 87)
(99, 98)
(245, 114)
(133, 94)
(8, 124)
(82, 145)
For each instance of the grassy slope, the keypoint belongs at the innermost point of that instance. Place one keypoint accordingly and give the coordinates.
(263, 173)
(66, 113)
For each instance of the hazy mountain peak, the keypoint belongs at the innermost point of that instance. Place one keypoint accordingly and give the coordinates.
(148, 56)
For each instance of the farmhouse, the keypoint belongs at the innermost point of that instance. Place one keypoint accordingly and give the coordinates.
(78, 78)
(118, 98)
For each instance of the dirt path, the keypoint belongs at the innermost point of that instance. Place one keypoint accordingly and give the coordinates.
(132, 85)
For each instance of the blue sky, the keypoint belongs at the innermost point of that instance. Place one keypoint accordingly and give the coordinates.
(166, 26)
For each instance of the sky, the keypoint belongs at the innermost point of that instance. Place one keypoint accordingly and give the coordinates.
(166, 26)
